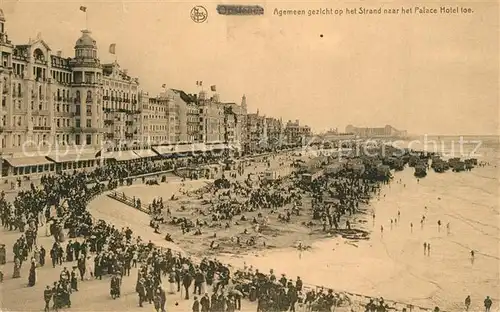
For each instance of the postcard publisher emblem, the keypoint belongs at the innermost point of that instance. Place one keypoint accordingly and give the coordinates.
(199, 14)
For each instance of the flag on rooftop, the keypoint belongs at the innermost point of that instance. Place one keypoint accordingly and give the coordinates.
(83, 8)
(164, 85)
(199, 83)
(112, 48)
(213, 88)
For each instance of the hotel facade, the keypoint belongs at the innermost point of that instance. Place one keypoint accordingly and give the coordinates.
(63, 113)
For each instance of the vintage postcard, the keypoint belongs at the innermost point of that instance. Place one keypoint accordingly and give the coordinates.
(309, 156)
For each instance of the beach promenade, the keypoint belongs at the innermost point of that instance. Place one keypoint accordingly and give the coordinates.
(94, 295)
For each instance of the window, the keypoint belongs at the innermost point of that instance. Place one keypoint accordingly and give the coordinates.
(77, 110)
(58, 122)
(77, 123)
(89, 123)
(88, 139)
(77, 139)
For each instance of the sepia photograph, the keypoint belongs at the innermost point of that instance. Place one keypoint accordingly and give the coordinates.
(273, 156)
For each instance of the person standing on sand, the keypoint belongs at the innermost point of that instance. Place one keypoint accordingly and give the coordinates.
(487, 304)
(467, 303)
(439, 225)
(425, 248)
(428, 249)
(448, 228)
(391, 224)
(411, 227)
(382, 230)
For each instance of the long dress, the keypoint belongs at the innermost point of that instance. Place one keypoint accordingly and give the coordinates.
(171, 280)
(17, 268)
(32, 276)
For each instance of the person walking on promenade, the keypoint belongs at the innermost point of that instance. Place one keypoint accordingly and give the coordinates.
(47, 295)
(467, 303)
(196, 305)
(43, 252)
(32, 275)
(187, 279)
(487, 304)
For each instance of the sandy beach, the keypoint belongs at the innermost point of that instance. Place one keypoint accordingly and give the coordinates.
(396, 267)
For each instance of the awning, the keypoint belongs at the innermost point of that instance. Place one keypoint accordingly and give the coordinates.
(108, 155)
(126, 155)
(219, 146)
(183, 148)
(146, 153)
(199, 147)
(28, 161)
(164, 150)
(61, 158)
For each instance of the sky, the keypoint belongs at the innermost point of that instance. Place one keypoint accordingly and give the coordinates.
(428, 74)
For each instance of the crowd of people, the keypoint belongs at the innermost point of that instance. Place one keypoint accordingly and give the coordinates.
(100, 249)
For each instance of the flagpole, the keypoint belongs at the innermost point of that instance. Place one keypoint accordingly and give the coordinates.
(86, 20)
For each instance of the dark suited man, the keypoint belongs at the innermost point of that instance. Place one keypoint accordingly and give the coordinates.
(205, 303)
(187, 280)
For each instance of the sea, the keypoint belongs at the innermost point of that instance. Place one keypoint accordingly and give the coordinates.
(392, 263)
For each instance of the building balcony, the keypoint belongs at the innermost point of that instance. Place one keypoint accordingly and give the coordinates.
(105, 97)
(109, 122)
(85, 84)
(41, 128)
(75, 130)
(41, 62)
(90, 130)
(64, 129)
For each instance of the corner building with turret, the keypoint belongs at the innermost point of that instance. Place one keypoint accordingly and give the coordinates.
(53, 104)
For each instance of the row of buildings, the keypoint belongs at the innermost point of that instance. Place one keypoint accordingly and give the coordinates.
(51, 102)
(386, 131)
